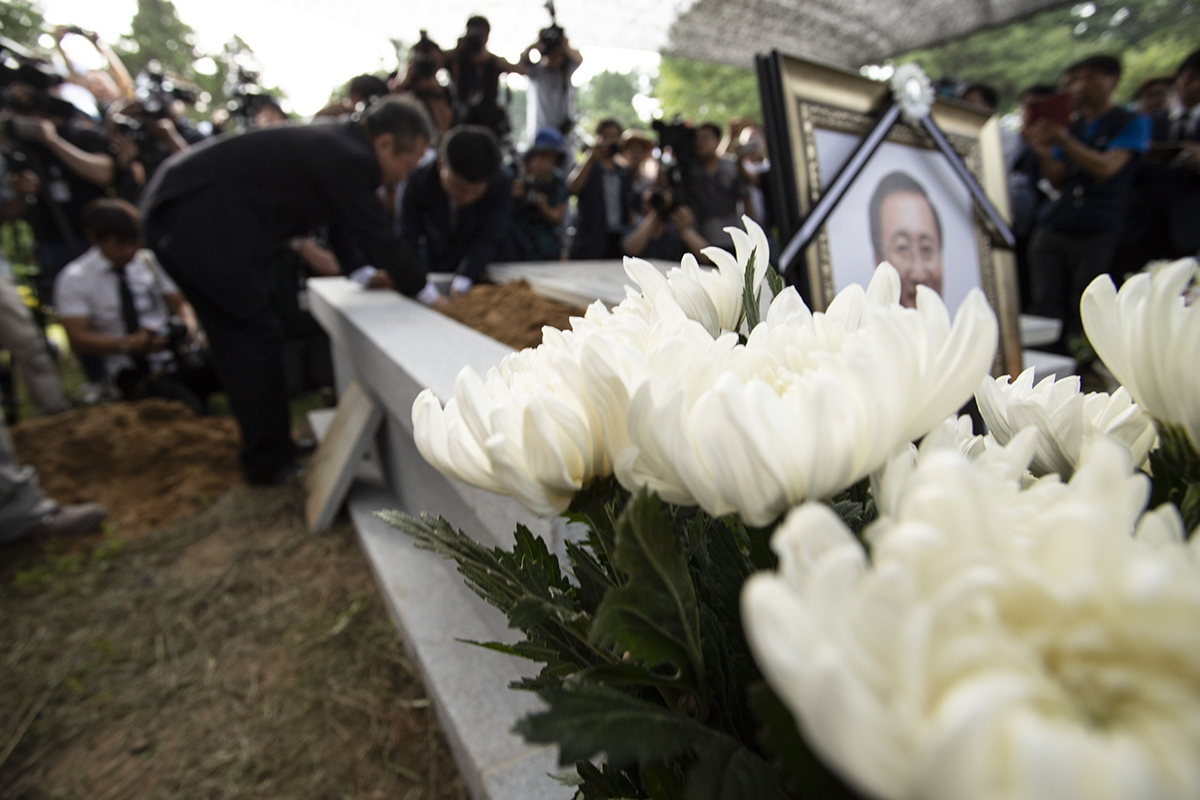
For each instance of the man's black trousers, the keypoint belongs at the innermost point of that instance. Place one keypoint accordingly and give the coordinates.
(230, 294)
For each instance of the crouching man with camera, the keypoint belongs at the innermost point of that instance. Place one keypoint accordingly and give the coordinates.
(115, 301)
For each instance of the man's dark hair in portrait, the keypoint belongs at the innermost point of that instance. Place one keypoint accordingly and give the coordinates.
(217, 215)
(896, 182)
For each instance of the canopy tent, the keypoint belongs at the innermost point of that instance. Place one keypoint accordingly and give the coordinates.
(845, 33)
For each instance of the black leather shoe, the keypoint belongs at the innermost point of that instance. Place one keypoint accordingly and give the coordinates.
(279, 477)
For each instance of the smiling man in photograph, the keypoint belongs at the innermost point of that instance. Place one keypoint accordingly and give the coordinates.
(218, 214)
(906, 231)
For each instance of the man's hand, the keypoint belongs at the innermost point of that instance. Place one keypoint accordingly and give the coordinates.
(145, 341)
(380, 280)
(518, 189)
(25, 183)
(1043, 135)
(683, 219)
(123, 148)
(1189, 156)
(46, 132)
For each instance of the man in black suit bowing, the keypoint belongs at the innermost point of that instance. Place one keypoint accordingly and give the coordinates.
(457, 208)
(217, 215)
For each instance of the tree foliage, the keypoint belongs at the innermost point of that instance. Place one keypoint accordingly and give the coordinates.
(1151, 36)
(21, 21)
(158, 34)
(608, 94)
(704, 92)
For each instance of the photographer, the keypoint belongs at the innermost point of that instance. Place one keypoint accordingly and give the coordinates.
(68, 154)
(539, 202)
(716, 187)
(425, 60)
(604, 188)
(664, 232)
(148, 129)
(19, 333)
(476, 75)
(551, 99)
(114, 301)
(105, 86)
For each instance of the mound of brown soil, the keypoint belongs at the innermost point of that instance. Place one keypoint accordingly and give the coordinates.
(150, 462)
(511, 313)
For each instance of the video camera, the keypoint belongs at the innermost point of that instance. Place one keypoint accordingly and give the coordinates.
(156, 92)
(189, 355)
(551, 37)
(245, 96)
(25, 82)
(681, 139)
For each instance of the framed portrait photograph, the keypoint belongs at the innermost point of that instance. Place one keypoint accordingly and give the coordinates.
(906, 206)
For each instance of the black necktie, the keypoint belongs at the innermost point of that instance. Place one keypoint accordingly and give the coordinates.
(129, 316)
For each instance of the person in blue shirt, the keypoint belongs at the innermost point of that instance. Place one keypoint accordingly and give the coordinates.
(1091, 164)
(539, 202)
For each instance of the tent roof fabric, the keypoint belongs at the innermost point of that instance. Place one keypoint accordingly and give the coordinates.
(844, 33)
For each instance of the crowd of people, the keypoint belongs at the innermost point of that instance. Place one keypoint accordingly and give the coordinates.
(1096, 187)
(176, 259)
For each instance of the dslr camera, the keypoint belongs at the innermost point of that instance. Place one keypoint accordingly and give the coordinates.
(681, 138)
(25, 82)
(156, 92)
(551, 37)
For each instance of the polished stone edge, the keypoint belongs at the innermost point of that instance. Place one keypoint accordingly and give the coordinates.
(468, 685)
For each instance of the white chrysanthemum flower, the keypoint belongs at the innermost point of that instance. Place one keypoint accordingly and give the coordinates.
(997, 643)
(1064, 418)
(1148, 336)
(711, 297)
(546, 420)
(809, 405)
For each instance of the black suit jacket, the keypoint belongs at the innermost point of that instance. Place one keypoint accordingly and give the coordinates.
(464, 245)
(218, 212)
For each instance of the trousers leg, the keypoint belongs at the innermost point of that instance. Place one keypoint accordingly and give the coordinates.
(22, 504)
(19, 335)
(247, 354)
(1048, 275)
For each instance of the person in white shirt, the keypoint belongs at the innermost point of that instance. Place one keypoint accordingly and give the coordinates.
(551, 102)
(115, 301)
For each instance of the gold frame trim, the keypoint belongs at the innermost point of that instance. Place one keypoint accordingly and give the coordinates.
(818, 97)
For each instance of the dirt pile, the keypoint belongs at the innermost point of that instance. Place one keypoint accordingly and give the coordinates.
(511, 313)
(149, 462)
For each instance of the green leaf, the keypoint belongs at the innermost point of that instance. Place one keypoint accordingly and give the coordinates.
(605, 783)
(750, 299)
(585, 720)
(526, 584)
(774, 282)
(593, 577)
(652, 616)
(1175, 465)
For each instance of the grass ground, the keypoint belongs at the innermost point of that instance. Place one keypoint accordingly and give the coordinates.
(231, 655)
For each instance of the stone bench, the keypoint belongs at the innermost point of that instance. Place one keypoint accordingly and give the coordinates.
(395, 348)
